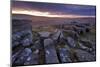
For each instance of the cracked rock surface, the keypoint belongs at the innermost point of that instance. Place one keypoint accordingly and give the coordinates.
(69, 43)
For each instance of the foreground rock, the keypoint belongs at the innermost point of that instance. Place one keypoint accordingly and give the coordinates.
(58, 35)
(81, 46)
(84, 56)
(22, 33)
(50, 52)
(23, 56)
(33, 58)
(16, 55)
(71, 42)
(44, 34)
(64, 55)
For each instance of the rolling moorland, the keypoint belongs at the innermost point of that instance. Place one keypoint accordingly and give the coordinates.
(43, 40)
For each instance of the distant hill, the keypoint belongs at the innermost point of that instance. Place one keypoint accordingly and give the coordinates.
(38, 20)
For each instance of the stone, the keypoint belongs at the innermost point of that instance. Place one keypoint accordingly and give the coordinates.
(37, 45)
(57, 36)
(23, 56)
(44, 34)
(21, 32)
(87, 43)
(15, 55)
(64, 55)
(84, 56)
(81, 45)
(71, 42)
(33, 58)
(71, 33)
(48, 42)
(50, 52)
(26, 42)
(15, 43)
(16, 36)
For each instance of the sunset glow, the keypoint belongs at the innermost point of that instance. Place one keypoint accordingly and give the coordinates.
(46, 14)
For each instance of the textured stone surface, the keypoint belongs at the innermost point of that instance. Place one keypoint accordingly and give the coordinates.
(64, 55)
(44, 34)
(64, 44)
(84, 56)
(50, 52)
(23, 56)
(71, 41)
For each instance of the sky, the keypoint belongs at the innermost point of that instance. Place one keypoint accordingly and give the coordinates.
(53, 9)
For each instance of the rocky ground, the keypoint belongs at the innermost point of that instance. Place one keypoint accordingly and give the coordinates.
(68, 43)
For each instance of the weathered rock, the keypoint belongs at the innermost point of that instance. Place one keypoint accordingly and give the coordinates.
(26, 42)
(16, 39)
(86, 42)
(64, 55)
(23, 56)
(15, 43)
(16, 35)
(33, 58)
(84, 56)
(50, 52)
(21, 33)
(37, 45)
(48, 42)
(40, 47)
(44, 34)
(15, 55)
(71, 42)
(58, 35)
(71, 33)
(81, 45)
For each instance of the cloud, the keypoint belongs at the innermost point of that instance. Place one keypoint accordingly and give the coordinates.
(52, 10)
(46, 14)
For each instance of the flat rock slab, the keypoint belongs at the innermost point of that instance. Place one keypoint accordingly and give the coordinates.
(44, 34)
(50, 52)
